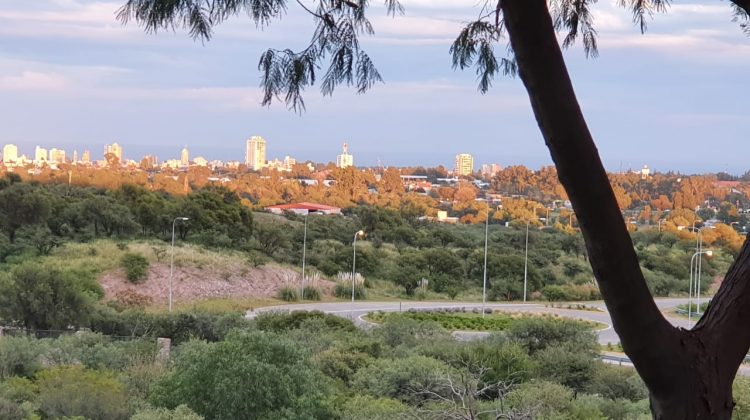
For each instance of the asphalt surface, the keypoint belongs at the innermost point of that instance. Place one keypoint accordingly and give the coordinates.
(355, 311)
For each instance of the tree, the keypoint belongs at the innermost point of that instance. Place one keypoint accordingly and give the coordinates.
(689, 373)
(20, 205)
(43, 298)
(259, 374)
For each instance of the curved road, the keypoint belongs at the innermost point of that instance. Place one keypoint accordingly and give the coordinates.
(357, 310)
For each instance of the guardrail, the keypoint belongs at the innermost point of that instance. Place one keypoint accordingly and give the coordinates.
(621, 360)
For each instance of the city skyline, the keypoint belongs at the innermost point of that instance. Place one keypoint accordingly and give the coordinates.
(647, 98)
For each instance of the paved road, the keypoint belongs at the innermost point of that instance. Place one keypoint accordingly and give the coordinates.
(357, 310)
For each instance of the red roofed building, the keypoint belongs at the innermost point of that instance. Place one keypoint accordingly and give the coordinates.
(304, 208)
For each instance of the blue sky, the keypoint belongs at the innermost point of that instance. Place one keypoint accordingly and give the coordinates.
(72, 77)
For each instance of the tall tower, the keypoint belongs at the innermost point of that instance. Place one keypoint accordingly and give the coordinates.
(115, 149)
(86, 158)
(75, 156)
(464, 164)
(185, 157)
(10, 153)
(344, 160)
(255, 153)
(40, 155)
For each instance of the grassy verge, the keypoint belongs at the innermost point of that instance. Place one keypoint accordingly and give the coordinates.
(465, 321)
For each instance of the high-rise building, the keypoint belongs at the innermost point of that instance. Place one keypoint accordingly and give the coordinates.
(185, 157)
(40, 155)
(86, 158)
(255, 153)
(289, 163)
(344, 160)
(10, 154)
(490, 169)
(115, 149)
(56, 155)
(464, 164)
(75, 156)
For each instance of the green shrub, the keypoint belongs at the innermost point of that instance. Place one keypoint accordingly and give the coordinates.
(407, 379)
(288, 294)
(19, 356)
(136, 267)
(178, 326)
(572, 368)
(540, 400)
(614, 382)
(279, 321)
(311, 293)
(538, 333)
(76, 391)
(181, 412)
(344, 291)
(261, 375)
(11, 410)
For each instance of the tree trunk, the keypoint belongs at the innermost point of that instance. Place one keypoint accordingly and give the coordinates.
(683, 370)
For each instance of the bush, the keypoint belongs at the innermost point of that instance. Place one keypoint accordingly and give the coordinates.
(571, 292)
(130, 299)
(179, 327)
(574, 369)
(538, 333)
(614, 382)
(540, 400)
(280, 322)
(404, 379)
(10, 410)
(136, 267)
(76, 391)
(344, 291)
(182, 412)
(288, 294)
(19, 356)
(262, 375)
(340, 364)
(311, 293)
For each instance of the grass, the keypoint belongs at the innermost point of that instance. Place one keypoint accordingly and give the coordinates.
(220, 305)
(463, 321)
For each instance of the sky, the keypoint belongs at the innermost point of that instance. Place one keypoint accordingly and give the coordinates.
(73, 77)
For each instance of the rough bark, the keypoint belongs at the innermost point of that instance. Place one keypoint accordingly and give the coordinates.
(683, 371)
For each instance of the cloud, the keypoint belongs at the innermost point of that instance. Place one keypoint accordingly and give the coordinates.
(34, 81)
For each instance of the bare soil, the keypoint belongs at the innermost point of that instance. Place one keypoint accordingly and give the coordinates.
(193, 283)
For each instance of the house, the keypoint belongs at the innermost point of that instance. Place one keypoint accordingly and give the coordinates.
(304, 208)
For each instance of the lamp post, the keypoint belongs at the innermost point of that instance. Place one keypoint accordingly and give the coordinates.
(304, 249)
(354, 262)
(526, 262)
(697, 285)
(171, 259)
(660, 222)
(484, 282)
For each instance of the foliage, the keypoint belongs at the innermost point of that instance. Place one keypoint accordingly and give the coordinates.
(288, 294)
(536, 334)
(181, 412)
(280, 322)
(400, 378)
(311, 293)
(44, 298)
(212, 380)
(76, 391)
(136, 267)
(344, 291)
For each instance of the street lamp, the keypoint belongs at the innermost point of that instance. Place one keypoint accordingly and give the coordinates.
(354, 261)
(304, 249)
(660, 222)
(526, 262)
(697, 285)
(171, 262)
(484, 283)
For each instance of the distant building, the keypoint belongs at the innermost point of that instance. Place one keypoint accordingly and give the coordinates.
(491, 169)
(75, 157)
(151, 161)
(645, 172)
(86, 157)
(114, 149)
(304, 208)
(464, 164)
(344, 160)
(255, 153)
(289, 163)
(56, 155)
(40, 156)
(10, 154)
(200, 161)
(185, 157)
